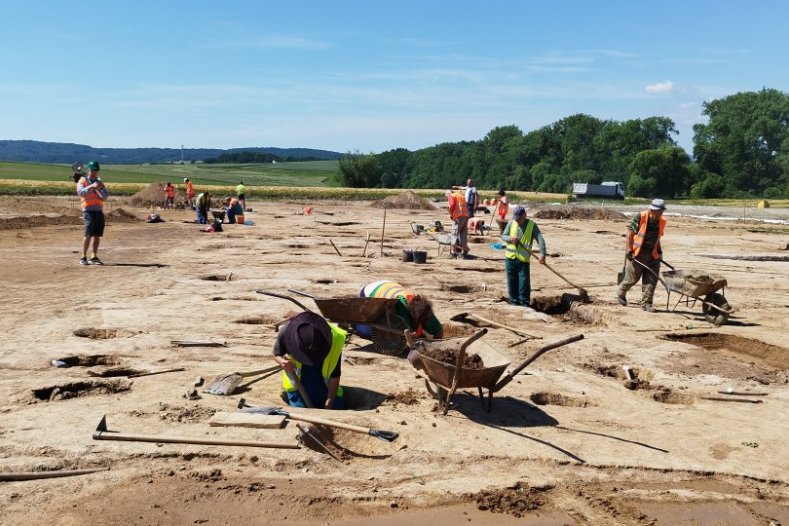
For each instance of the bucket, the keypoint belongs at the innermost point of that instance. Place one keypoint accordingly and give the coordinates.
(420, 256)
(240, 219)
(408, 255)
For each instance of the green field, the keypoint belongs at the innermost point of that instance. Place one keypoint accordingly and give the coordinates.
(309, 174)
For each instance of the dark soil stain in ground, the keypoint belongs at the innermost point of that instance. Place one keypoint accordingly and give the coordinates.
(546, 398)
(90, 360)
(551, 305)
(408, 397)
(216, 277)
(462, 289)
(517, 500)
(668, 396)
(79, 389)
(101, 334)
(765, 353)
(260, 319)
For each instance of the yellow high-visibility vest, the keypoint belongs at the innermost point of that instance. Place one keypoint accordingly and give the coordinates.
(520, 252)
(329, 363)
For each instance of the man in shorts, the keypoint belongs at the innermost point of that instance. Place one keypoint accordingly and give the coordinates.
(92, 194)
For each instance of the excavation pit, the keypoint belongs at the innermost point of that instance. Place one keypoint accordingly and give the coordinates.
(765, 353)
(89, 360)
(80, 389)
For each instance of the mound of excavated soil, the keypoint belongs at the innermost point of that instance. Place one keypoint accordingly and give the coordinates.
(408, 200)
(153, 195)
(576, 212)
(119, 215)
(516, 500)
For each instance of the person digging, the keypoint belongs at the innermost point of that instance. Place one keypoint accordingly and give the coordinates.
(518, 236)
(644, 254)
(309, 351)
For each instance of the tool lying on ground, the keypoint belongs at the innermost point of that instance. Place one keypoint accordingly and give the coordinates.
(226, 384)
(102, 433)
(305, 432)
(36, 475)
(465, 316)
(189, 343)
(139, 374)
(581, 290)
(449, 377)
(731, 391)
(721, 399)
(389, 436)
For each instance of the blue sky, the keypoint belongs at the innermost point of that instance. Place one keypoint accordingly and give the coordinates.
(370, 75)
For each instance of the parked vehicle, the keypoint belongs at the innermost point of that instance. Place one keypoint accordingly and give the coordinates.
(613, 189)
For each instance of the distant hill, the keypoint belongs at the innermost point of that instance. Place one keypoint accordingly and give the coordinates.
(59, 152)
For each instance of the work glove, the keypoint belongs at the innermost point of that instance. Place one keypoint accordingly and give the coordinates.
(629, 256)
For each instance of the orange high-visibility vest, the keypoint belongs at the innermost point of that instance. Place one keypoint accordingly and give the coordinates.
(503, 207)
(169, 191)
(460, 209)
(190, 189)
(638, 238)
(90, 198)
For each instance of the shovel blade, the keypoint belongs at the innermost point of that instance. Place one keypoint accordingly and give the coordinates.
(224, 385)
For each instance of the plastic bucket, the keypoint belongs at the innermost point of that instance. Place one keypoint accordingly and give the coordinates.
(240, 219)
(420, 256)
(408, 255)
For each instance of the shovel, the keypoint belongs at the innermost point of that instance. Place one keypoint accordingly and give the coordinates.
(226, 384)
(581, 290)
(389, 436)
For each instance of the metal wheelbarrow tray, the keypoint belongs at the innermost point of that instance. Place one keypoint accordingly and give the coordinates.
(448, 377)
(693, 287)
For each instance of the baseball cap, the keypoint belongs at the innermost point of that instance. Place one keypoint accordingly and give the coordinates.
(658, 204)
(519, 212)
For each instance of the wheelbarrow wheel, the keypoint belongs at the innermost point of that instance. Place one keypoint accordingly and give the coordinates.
(390, 343)
(713, 315)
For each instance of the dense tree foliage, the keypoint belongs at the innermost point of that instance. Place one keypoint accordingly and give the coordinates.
(744, 149)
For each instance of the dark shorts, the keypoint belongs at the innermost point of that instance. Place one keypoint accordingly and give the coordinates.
(242, 196)
(94, 223)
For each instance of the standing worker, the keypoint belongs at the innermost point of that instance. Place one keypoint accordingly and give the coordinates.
(169, 195)
(202, 205)
(190, 193)
(459, 215)
(309, 350)
(92, 194)
(503, 206)
(472, 198)
(644, 252)
(241, 194)
(519, 235)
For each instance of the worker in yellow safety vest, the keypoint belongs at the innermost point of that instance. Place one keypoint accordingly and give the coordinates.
(309, 350)
(519, 235)
(644, 254)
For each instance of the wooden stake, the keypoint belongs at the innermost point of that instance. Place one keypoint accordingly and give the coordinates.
(383, 229)
(364, 252)
(335, 248)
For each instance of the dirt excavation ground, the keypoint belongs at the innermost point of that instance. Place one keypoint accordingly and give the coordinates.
(569, 441)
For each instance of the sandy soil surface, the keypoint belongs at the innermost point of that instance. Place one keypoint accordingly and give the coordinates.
(569, 441)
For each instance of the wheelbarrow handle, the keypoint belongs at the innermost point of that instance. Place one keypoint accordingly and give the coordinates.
(542, 350)
(302, 293)
(284, 297)
(668, 265)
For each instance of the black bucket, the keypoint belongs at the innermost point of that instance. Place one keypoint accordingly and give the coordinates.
(420, 256)
(408, 255)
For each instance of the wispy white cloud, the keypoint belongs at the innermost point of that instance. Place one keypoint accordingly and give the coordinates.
(660, 87)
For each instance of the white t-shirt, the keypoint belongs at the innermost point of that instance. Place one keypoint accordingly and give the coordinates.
(471, 191)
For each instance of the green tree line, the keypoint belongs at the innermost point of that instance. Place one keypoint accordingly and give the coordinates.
(743, 150)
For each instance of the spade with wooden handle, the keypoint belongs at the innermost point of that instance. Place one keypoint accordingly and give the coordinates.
(226, 384)
(389, 436)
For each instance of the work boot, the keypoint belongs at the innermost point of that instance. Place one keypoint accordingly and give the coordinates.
(622, 300)
(95, 261)
(83, 261)
(452, 256)
(649, 308)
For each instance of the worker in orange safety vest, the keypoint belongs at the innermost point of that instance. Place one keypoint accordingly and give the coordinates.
(644, 254)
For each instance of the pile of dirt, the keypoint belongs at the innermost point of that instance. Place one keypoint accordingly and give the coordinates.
(516, 500)
(408, 397)
(450, 356)
(577, 212)
(153, 195)
(19, 223)
(408, 200)
(119, 215)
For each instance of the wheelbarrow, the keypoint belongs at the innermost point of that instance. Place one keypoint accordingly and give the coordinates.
(350, 311)
(443, 379)
(696, 287)
(702, 288)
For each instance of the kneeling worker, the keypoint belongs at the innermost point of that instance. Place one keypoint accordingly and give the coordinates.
(414, 308)
(235, 212)
(309, 349)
